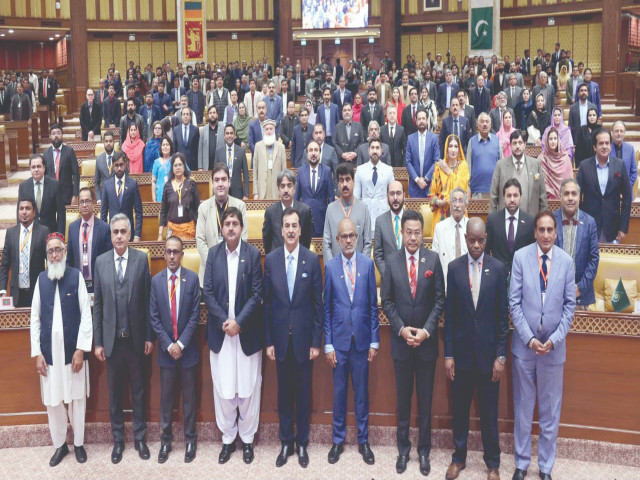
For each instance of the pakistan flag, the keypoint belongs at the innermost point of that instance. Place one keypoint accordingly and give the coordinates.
(481, 25)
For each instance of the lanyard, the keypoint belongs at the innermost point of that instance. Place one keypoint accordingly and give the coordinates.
(218, 215)
(172, 291)
(350, 275)
(120, 189)
(85, 237)
(544, 277)
(344, 211)
(179, 190)
(26, 240)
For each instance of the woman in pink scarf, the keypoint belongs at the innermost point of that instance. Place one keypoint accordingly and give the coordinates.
(504, 134)
(133, 147)
(555, 164)
(564, 132)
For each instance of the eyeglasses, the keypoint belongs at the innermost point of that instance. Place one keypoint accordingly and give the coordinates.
(349, 236)
(174, 251)
(458, 200)
(56, 251)
(85, 202)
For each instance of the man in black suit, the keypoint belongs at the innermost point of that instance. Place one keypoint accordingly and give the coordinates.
(236, 161)
(302, 135)
(348, 136)
(481, 97)
(476, 330)
(371, 110)
(272, 226)
(121, 330)
(61, 164)
(388, 234)
(413, 314)
(410, 112)
(196, 101)
(467, 111)
(5, 99)
(111, 109)
(50, 210)
(578, 109)
(454, 124)
(90, 117)
(293, 336)
(509, 228)
(186, 138)
(393, 135)
(47, 89)
(605, 193)
(288, 123)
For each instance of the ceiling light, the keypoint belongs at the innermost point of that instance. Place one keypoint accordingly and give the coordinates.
(11, 30)
(57, 35)
(1, 34)
(50, 38)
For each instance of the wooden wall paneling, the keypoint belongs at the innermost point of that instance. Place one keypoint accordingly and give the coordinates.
(20, 8)
(132, 10)
(145, 10)
(93, 57)
(296, 9)
(104, 10)
(5, 9)
(509, 43)
(413, 7)
(246, 51)
(121, 60)
(565, 37)
(260, 12)
(157, 10)
(455, 45)
(404, 45)
(257, 50)
(536, 39)
(550, 38)
(233, 50)
(247, 9)
(442, 43)
(145, 52)
(268, 49)
(117, 9)
(91, 9)
(234, 10)
(507, 3)
(170, 6)
(464, 6)
(453, 6)
(269, 14)
(222, 10)
(65, 10)
(157, 53)
(49, 52)
(594, 56)
(522, 3)
(221, 51)
(465, 43)
(375, 9)
(35, 9)
(415, 46)
(522, 41)
(133, 53)
(428, 45)
(211, 51)
(171, 52)
(106, 56)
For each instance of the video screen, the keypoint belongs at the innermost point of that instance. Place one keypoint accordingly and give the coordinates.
(318, 14)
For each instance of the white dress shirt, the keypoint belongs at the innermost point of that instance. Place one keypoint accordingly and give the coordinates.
(125, 260)
(294, 265)
(233, 260)
(507, 215)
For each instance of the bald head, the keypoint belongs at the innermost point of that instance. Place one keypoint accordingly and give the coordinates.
(476, 225)
(476, 237)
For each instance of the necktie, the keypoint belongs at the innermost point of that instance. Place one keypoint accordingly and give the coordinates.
(24, 259)
(458, 248)
(396, 231)
(38, 196)
(109, 162)
(120, 271)
(412, 277)
(174, 307)
(85, 246)
(543, 274)
(421, 152)
(291, 278)
(44, 90)
(511, 238)
(57, 163)
(413, 113)
(391, 133)
(313, 180)
(456, 131)
(185, 136)
(511, 93)
(90, 110)
(350, 283)
(519, 165)
(229, 158)
(119, 192)
(374, 178)
(475, 280)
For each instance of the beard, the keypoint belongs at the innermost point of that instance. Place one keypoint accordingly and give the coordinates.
(269, 140)
(55, 271)
(56, 143)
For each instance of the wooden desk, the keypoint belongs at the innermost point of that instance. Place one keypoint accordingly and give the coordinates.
(24, 143)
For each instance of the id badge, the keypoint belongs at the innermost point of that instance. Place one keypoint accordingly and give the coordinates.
(180, 210)
(21, 269)
(270, 164)
(85, 259)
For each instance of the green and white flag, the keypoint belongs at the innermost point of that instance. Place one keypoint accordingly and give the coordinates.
(619, 299)
(484, 25)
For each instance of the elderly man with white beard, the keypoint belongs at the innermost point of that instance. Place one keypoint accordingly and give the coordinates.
(269, 159)
(61, 335)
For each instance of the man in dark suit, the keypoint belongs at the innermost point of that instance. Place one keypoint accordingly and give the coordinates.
(89, 237)
(497, 113)
(50, 209)
(410, 112)
(446, 92)
(467, 111)
(196, 100)
(5, 99)
(388, 233)
(341, 95)
(315, 187)
(272, 226)
(104, 164)
(90, 117)
(393, 135)
(234, 335)
(47, 89)
(131, 117)
(413, 313)
(176, 93)
(509, 228)
(150, 113)
(111, 109)
(420, 167)
(186, 138)
(578, 109)
(476, 330)
(481, 97)
(61, 164)
(327, 116)
(293, 336)
(302, 135)
(371, 110)
(23, 255)
(604, 190)
(236, 161)
(348, 136)
(454, 124)
(351, 333)
(288, 123)
(120, 194)
(255, 127)
(121, 331)
(162, 100)
(174, 311)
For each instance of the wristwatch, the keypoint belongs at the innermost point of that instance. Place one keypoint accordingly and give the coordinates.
(502, 359)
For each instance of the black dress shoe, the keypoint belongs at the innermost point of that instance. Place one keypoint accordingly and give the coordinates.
(303, 456)
(81, 455)
(143, 450)
(163, 454)
(519, 474)
(401, 463)
(247, 452)
(367, 454)
(225, 453)
(59, 454)
(116, 453)
(285, 452)
(545, 476)
(334, 453)
(425, 466)
(190, 452)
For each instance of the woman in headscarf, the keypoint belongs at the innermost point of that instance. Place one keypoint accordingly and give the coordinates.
(448, 174)
(564, 132)
(555, 164)
(430, 106)
(312, 112)
(504, 134)
(241, 124)
(152, 148)
(357, 109)
(563, 78)
(537, 122)
(584, 147)
(523, 108)
(133, 147)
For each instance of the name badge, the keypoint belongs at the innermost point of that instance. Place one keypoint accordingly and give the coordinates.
(270, 164)
(180, 210)
(85, 259)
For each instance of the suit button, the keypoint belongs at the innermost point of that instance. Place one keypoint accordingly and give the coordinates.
(352, 307)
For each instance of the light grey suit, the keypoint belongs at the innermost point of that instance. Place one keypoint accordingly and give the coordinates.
(102, 174)
(204, 162)
(363, 154)
(534, 193)
(384, 239)
(512, 100)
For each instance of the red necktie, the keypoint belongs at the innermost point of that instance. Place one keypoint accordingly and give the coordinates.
(57, 164)
(413, 109)
(174, 308)
(412, 278)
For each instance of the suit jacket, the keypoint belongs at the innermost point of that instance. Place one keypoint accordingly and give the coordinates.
(111, 114)
(11, 257)
(155, 114)
(629, 159)
(319, 200)
(104, 300)
(5, 102)
(530, 317)
(397, 144)
(239, 170)
(286, 129)
(52, 89)
(470, 114)
(248, 297)
(181, 92)
(100, 243)
(404, 96)
(481, 102)
(610, 210)
(366, 116)
(387, 94)
(442, 96)
(342, 144)
(363, 154)
(103, 174)
(407, 118)
(334, 118)
(187, 320)
(444, 242)
(586, 257)
(345, 320)
(190, 148)
(403, 310)
(571, 83)
(90, 123)
(412, 158)
(384, 243)
(298, 83)
(52, 213)
(574, 119)
(69, 176)
(348, 98)
(447, 129)
(125, 123)
(299, 317)
(204, 161)
(201, 104)
(474, 336)
(497, 236)
(535, 191)
(274, 109)
(272, 226)
(165, 100)
(513, 100)
(299, 142)
(255, 135)
(496, 121)
(329, 158)
(594, 96)
(131, 200)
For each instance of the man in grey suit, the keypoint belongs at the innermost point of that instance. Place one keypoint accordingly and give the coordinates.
(527, 170)
(513, 91)
(348, 136)
(104, 168)
(575, 80)
(208, 142)
(236, 161)
(498, 112)
(363, 150)
(388, 232)
(328, 155)
(547, 91)
(121, 329)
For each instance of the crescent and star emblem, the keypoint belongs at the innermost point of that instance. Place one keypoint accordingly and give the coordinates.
(484, 33)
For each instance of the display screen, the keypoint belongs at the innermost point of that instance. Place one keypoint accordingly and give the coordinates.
(318, 14)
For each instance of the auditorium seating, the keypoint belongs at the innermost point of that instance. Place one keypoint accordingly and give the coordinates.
(614, 264)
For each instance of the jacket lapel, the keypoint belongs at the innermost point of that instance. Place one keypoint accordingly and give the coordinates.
(131, 265)
(241, 266)
(534, 268)
(302, 262)
(610, 180)
(579, 231)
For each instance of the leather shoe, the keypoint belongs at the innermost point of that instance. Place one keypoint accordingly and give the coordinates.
(367, 454)
(116, 453)
(303, 456)
(247, 452)
(519, 474)
(143, 450)
(225, 453)
(425, 465)
(285, 452)
(81, 455)
(454, 470)
(190, 452)
(59, 454)
(401, 463)
(163, 454)
(493, 474)
(334, 453)
(545, 476)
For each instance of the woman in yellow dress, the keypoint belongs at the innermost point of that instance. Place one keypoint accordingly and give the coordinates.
(448, 174)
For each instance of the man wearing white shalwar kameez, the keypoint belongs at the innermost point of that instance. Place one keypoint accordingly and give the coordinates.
(61, 333)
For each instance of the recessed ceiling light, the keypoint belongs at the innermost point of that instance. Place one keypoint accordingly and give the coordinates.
(50, 38)
(1, 34)
(11, 30)
(57, 35)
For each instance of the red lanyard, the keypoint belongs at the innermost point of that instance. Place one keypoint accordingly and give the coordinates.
(351, 276)
(344, 211)
(544, 277)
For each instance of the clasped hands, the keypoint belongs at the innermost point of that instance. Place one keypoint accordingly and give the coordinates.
(540, 348)
(413, 336)
(231, 327)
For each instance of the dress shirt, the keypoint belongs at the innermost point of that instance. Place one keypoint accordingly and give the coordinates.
(89, 241)
(311, 180)
(569, 234)
(548, 263)
(584, 108)
(327, 119)
(295, 254)
(233, 261)
(516, 161)
(393, 227)
(125, 261)
(177, 294)
(448, 87)
(470, 265)
(416, 259)
(507, 215)
(41, 184)
(603, 175)
(422, 145)
(28, 232)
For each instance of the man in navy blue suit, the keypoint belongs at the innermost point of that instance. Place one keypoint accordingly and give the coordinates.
(150, 113)
(446, 92)
(351, 333)
(327, 115)
(481, 97)
(423, 152)
(315, 191)
(302, 134)
(176, 93)
(255, 127)
(624, 151)
(341, 95)
(174, 310)
(86, 244)
(455, 124)
(186, 137)
(293, 317)
(120, 194)
(476, 330)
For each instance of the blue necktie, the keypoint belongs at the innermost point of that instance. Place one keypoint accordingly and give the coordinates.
(396, 231)
(456, 132)
(374, 179)
(313, 180)
(119, 192)
(291, 277)
(543, 288)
